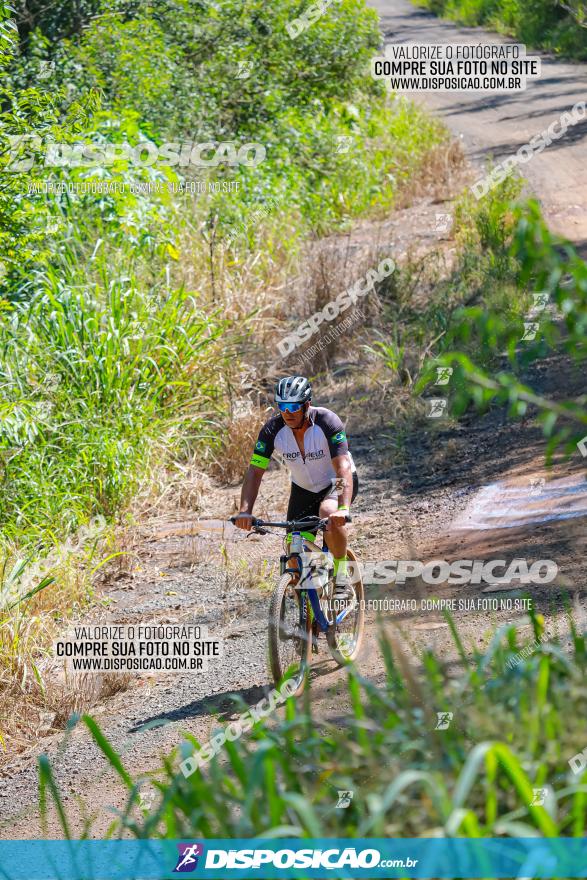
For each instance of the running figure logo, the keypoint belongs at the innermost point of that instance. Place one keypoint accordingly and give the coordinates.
(344, 799)
(539, 796)
(187, 860)
(444, 719)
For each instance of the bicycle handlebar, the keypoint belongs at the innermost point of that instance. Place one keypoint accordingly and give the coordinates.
(309, 522)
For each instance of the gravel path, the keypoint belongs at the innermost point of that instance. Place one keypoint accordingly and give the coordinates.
(496, 125)
(404, 510)
(196, 593)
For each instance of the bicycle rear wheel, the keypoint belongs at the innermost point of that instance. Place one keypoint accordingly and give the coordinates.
(345, 638)
(290, 640)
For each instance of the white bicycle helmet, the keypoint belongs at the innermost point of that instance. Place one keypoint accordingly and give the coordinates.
(293, 389)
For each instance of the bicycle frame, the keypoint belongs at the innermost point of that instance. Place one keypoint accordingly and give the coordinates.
(295, 530)
(312, 591)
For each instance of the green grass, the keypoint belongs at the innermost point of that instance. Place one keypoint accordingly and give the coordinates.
(126, 319)
(94, 386)
(513, 729)
(424, 303)
(541, 24)
(484, 336)
(472, 318)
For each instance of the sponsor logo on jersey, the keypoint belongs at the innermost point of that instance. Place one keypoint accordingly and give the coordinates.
(318, 453)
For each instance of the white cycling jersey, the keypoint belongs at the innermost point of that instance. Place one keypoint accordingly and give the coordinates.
(324, 440)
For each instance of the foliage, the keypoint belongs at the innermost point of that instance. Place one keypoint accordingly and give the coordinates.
(416, 327)
(514, 727)
(91, 382)
(555, 25)
(334, 146)
(23, 113)
(484, 343)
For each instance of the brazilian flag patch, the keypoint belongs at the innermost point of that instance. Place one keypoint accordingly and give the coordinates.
(339, 438)
(260, 446)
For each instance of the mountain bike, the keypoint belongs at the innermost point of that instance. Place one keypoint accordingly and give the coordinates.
(303, 603)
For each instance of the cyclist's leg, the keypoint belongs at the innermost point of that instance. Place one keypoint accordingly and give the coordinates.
(336, 536)
(303, 503)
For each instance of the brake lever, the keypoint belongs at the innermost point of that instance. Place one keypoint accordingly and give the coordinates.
(257, 530)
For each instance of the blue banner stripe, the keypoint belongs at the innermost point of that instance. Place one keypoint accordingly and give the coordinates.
(260, 858)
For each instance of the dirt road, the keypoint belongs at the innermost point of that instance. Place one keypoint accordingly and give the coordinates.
(470, 492)
(474, 491)
(496, 125)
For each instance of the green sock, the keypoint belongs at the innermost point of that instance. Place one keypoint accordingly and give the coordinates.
(340, 565)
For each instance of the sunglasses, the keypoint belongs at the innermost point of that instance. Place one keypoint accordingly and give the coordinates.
(290, 407)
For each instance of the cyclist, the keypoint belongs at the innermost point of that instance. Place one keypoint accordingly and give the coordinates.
(313, 443)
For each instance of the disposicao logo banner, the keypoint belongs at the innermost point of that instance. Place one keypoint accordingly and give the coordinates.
(257, 858)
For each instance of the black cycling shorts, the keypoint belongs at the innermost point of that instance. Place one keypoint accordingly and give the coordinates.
(304, 503)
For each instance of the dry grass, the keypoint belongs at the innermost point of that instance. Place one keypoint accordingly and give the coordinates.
(443, 171)
(238, 441)
(46, 709)
(253, 288)
(252, 574)
(68, 694)
(27, 632)
(178, 485)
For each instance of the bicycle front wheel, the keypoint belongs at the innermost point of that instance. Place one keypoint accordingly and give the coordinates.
(345, 637)
(290, 640)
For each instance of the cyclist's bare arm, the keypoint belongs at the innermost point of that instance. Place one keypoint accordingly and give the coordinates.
(249, 493)
(344, 479)
(336, 532)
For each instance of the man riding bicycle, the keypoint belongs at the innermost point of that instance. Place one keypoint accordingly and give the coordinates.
(313, 443)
